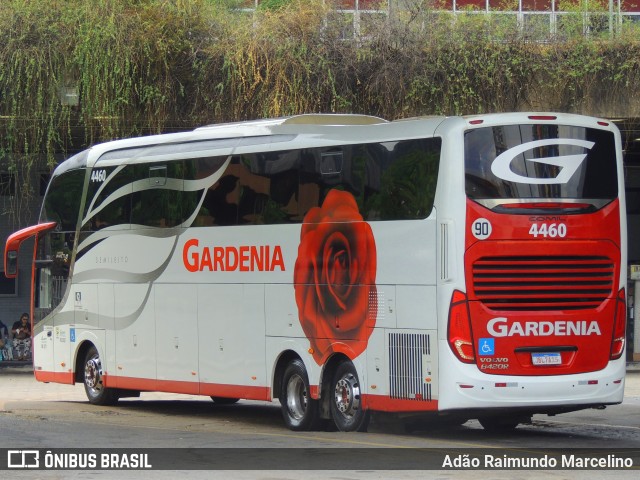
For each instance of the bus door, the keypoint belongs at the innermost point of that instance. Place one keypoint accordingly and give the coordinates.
(41, 290)
(53, 252)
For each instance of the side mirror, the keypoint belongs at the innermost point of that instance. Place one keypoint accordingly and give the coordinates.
(12, 246)
(11, 266)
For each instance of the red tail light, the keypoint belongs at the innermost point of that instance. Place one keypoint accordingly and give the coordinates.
(459, 336)
(619, 326)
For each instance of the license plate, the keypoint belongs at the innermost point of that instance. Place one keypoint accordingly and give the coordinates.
(546, 358)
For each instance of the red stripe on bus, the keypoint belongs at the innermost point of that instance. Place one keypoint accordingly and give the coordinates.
(382, 403)
(247, 392)
(55, 377)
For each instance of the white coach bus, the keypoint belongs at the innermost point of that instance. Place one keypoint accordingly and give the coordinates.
(465, 267)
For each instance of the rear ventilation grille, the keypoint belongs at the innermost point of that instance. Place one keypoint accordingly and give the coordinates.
(409, 356)
(543, 283)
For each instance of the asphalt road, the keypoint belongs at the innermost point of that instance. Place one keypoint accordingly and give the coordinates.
(51, 416)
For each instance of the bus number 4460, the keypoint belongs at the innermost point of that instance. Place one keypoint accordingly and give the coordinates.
(98, 176)
(551, 231)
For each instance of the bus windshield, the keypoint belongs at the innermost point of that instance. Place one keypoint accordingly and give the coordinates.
(62, 201)
(540, 162)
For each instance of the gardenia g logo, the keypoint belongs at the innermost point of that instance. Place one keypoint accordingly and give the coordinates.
(501, 166)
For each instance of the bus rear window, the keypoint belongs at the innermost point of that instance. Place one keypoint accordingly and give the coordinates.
(540, 162)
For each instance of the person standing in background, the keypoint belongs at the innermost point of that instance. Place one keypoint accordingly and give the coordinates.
(6, 351)
(21, 331)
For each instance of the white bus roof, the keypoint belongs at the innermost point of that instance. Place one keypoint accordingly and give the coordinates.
(304, 131)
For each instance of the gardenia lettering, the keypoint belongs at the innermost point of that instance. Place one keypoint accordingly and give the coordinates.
(498, 327)
(246, 258)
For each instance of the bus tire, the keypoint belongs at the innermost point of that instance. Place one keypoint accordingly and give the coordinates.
(224, 400)
(347, 411)
(96, 392)
(299, 410)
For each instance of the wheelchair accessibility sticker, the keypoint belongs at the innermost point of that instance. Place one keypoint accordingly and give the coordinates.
(486, 347)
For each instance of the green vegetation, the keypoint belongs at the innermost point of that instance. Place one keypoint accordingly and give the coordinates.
(148, 66)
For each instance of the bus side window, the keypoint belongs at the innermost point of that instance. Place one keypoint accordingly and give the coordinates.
(309, 189)
(157, 194)
(279, 200)
(252, 189)
(108, 201)
(327, 168)
(389, 181)
(198, 169)
(403, 186)
(256, 188)
(220, 205)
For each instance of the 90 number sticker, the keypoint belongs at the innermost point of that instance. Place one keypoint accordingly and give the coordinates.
(553, 230)
(481, 228)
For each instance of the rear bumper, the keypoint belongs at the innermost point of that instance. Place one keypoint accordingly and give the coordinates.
(468, 388)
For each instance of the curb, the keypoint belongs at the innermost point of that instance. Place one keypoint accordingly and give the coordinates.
(16, 366)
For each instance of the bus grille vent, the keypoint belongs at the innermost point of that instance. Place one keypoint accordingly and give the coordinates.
(543, 282)
(408, 358)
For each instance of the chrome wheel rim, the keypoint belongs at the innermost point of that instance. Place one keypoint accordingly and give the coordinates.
(296, 397)
(347, 395)
(93, 375)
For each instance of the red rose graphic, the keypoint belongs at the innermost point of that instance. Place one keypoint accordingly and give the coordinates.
(334, 277)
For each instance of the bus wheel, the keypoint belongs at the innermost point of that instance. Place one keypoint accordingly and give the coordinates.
(224, 400)
(299, 410)
(97, 393)
(346, 404)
